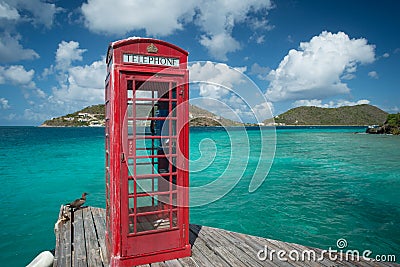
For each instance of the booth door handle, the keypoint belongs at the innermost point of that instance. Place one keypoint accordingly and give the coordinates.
(122, 157)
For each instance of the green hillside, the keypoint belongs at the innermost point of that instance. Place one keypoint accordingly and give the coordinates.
(89, 116)
(201, 117)
(349, 115)
(94, 116)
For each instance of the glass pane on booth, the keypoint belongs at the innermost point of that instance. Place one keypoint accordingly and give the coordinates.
(131, 186)
(152, 131)
(140, 93)
(130, 128)
(146, 165)
(147, 185)
(147, 109)
(129, 109)
(174, 219)
(144, 143)
(145, 203)
(173, 90)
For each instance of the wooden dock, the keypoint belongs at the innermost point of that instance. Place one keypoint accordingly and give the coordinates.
(80, 242)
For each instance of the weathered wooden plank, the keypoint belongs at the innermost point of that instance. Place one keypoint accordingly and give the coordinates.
(321, 261)
(257, 245)
(173, 263)
(60, 245)
(79, 257)
(220, 248)
(279, 247)
(201, 233)
(188, 262)
(63, 240)
(67, 246)
(58, 251)
(92, 244)
(157, 264)
(236, 247)
(202, 255)
(251, 251)
(210, 247)
(100, 227)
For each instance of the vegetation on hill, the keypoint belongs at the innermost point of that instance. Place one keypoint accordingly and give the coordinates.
(95, 116)
(348, 115)
(391, 126)
(393, 123)
(202, 117)
(393, 120)
(89, 116)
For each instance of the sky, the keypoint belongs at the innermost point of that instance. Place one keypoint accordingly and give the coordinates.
(256, 56)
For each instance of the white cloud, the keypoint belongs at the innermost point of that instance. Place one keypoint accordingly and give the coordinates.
(47, 72)
(83, 86)
(17, 75)
(219, 45)
(157, 17)
(68, 52)
(11, 50)
(31, 115)
(373, 74)
(260, 39)
(330, 104)
(260, 71)
(220, 83)
(35, 11)
(89, 76)
(318, 68)
(264, 110)
(78, 85)
(216, 72)
(7, 12)
(386, 55)
(14, 12)
(216, 78)
(4, 103)
(216, 19)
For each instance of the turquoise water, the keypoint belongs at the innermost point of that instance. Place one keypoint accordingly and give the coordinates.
(324, 184)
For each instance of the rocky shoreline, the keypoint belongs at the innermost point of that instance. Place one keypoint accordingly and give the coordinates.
(384, 129)
(391, 126)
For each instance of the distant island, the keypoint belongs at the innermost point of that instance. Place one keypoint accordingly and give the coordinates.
(360, 115)
(94, 116)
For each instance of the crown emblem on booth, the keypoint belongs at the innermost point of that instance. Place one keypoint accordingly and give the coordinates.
(152, 49)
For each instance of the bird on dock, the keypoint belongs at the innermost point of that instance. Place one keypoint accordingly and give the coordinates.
(77, 203)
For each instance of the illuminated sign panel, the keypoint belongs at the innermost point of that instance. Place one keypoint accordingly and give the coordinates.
(151, 60)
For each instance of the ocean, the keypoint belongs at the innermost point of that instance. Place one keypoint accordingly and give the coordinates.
(323, 184)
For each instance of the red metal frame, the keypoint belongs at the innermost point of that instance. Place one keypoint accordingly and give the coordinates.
(147, 179)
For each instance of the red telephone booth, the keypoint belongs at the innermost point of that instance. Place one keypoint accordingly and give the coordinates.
(147, 146)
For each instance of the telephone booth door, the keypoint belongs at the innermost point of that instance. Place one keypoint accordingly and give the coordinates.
(147, 147)
(154, 170)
